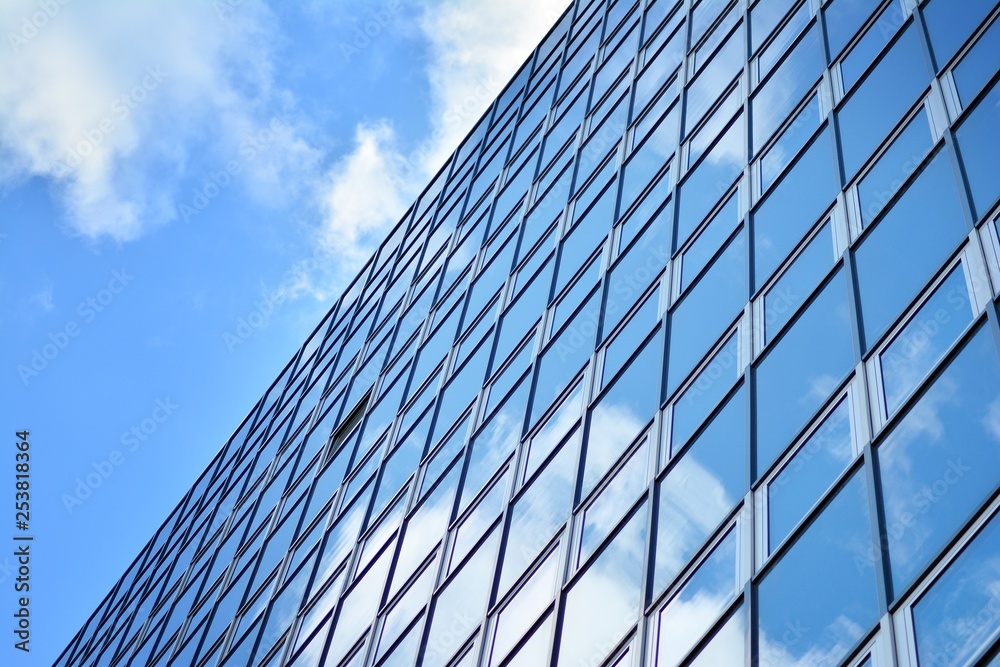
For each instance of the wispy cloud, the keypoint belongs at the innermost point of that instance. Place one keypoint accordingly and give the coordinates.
(114, 103)
(475, 48)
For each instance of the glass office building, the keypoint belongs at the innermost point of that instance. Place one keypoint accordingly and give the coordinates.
(689, 355)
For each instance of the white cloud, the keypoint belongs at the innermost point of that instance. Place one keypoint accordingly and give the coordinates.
(114, 102)
(476, 46)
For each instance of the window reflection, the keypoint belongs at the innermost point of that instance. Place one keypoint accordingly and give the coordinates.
(928, 222)
(960, 614)
(809, 473)
(924, 340)
(979, 142)
(604, 602)
(939, 462)
(460, 605)
(823, 627)
(699, 602)
(618, 417)
(538, 512)
(802, 370)
(704, 485)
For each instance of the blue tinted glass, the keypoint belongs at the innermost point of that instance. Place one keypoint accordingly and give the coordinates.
(796, 76)
(764, 18)
(950, 23)
(802, 370)
(697, 605)
(635, 271)
(538, 512)
(702, 395)
(842, 605)
(882, 99)
(713, 176)
(463, 597)
(844, 19)
(604, 602)
(610, 505)
(793, 206)
(662, 65)
(978, 65)
(700, 490)
(703, 16)
(708, 85)
(925, 339)
(957, 618)
(939, 463)
(620, 415)
(926, 221)
(707, 310)
(808, 474)
(711, 238)
(626, 341)
(565, 356)
(893, 167)
(798, 281)
(871, 43)
(728, 646)
(979, 143)
(719, 32)
(789, 143)
(647, 161)
(706, 135)
(785, 36)
(495, 442)
(575, 294)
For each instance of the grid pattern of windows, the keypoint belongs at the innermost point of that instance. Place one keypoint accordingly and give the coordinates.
(688, 355)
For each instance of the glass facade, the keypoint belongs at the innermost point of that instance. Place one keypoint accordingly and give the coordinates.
(687, 356)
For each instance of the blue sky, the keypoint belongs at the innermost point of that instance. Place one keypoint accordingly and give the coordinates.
(184, 189)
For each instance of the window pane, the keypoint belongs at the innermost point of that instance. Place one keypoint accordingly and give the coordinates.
(698, 604)
(925, 339)
(527, 605)
(957, 617)
(792, 139)
(793, 206)
(798, 281)
(950, 23)
(460, 605)
(809, 473)
(861, 55)
(797, 75)
(764, 18)
(705, 392)
(978, 65)
(702, 488)
(711, 179)
(940, 461)
(802, 370)
(927, 222)
(882, 99)
(604, 603)
(787, 34)
(728, 646)
(844, 19)
(711, 238)
(706, 311)
(979, 143)
(708, 85)
(601, 517)
(635, 272)
(841, 606)
(538, 513)
(894, 166)
(627, 340)
(623, 412)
